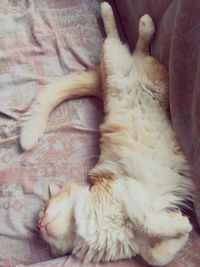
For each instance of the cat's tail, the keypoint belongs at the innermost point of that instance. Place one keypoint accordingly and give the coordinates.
(74, 85)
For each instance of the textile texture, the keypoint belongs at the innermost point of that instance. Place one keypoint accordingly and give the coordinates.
(40, 41)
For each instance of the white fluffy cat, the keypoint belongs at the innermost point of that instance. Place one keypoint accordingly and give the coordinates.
(132, 205)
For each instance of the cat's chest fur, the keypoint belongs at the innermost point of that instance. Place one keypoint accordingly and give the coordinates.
(103, 233)
(136, 133)
(132, 95)
(134, 118)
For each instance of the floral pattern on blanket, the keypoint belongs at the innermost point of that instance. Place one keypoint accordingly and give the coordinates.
(41, 40)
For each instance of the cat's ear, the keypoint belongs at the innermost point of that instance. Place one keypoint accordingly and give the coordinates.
(54, 188)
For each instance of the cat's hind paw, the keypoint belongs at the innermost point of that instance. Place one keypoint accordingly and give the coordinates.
(107, 14)
(146, 27)
(106, 9)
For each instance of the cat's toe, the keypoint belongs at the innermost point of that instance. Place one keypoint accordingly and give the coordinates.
(146, 26)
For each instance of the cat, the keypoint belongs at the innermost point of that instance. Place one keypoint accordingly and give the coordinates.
(132, 205)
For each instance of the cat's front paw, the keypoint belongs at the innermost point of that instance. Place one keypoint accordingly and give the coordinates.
(168, 225)
(32, 129)
(162, 252)
(146, 27)
(183, 224)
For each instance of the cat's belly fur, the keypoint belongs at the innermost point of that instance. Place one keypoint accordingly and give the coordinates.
(137, 135)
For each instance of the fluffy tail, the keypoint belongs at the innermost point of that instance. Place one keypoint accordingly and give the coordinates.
(71, 86)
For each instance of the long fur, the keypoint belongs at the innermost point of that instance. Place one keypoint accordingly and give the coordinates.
(141, 178)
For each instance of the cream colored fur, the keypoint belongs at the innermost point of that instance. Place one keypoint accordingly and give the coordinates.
(132, 206)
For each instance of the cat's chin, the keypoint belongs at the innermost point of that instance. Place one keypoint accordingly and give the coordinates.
(56, 253)
(47, 233)
(57, 246)
(56, 249)
(43, 234)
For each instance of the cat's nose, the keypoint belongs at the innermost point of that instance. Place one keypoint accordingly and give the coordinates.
(40, 225)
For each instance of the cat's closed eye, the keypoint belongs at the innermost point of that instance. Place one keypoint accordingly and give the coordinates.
(42, 211)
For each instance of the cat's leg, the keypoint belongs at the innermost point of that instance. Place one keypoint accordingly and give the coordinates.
(162, 252)
(71, 86)
(116, 56)
(155, 73)
(109, 20)
(146, 32)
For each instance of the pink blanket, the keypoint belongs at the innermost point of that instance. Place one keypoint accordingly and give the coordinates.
(41, 40)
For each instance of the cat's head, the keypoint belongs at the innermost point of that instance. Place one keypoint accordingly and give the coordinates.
(56, 218)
